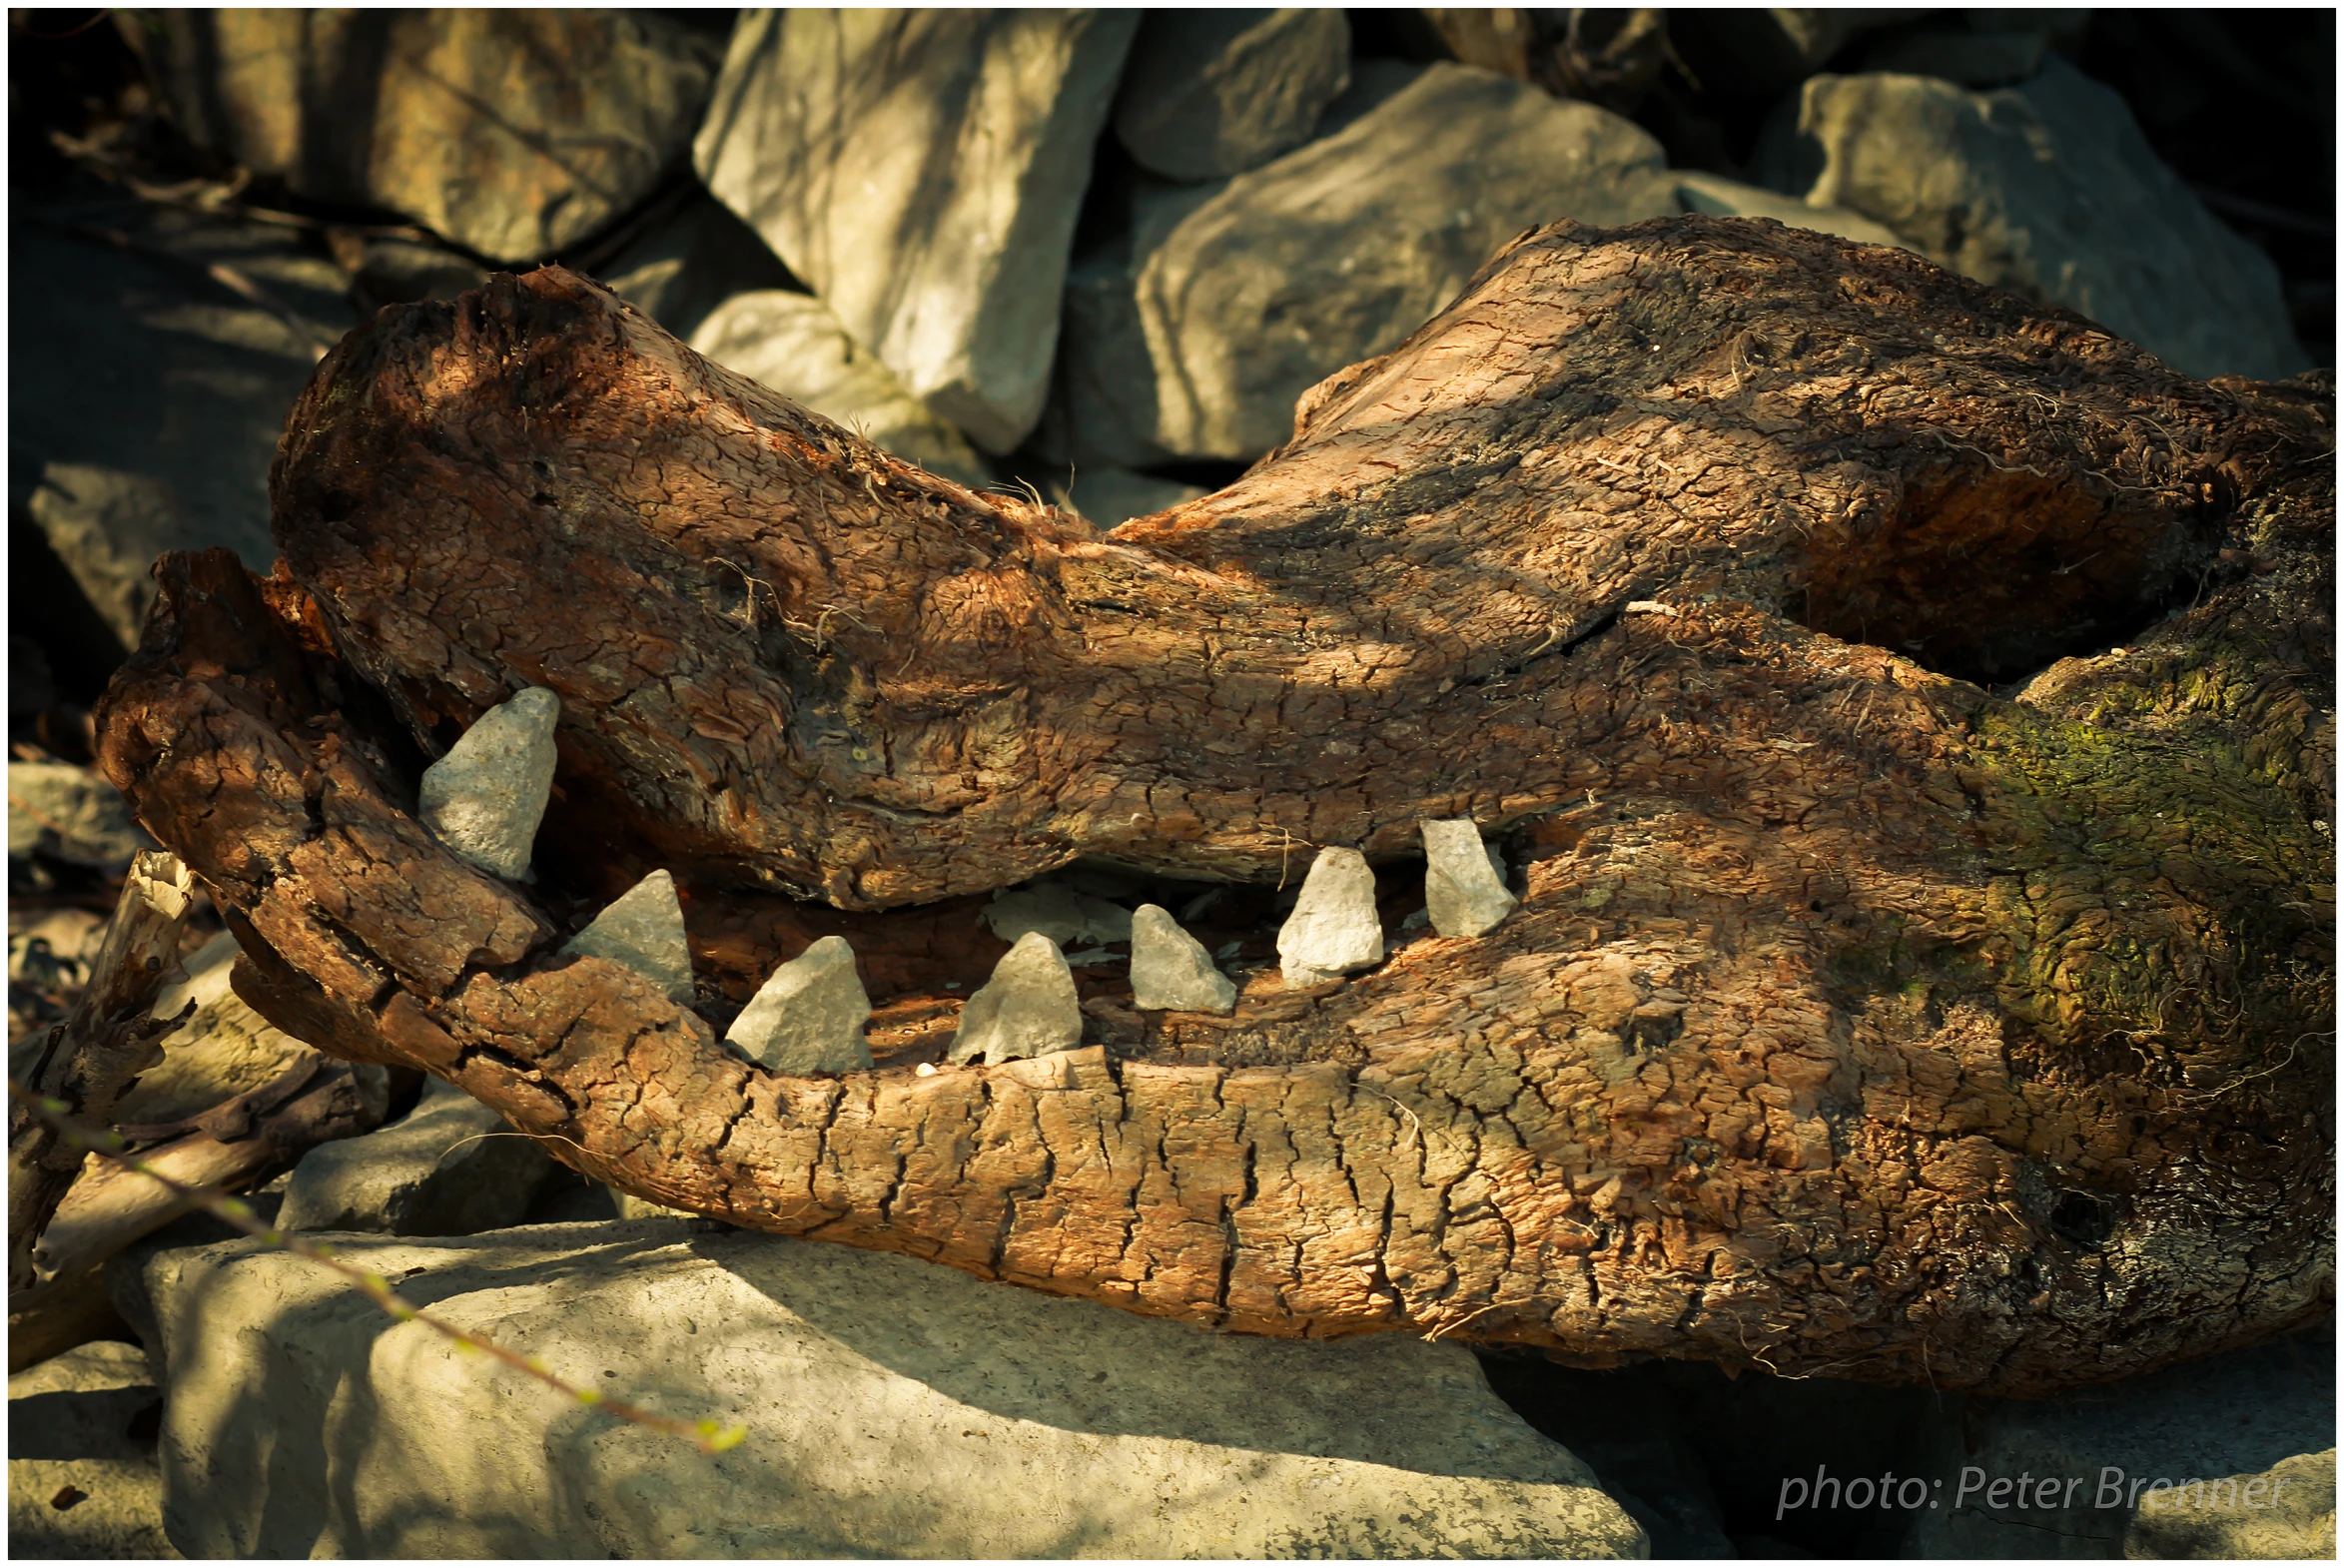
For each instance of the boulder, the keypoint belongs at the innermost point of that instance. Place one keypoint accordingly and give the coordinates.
(1108, 496)
(1699, 192)
(809, 1015)
(1235, 298)
(70, 814)
(83, 1480)
(894, 1409)
(451, 1167)
(485, 798)
(922, 171)
(224, 1051)
(2050, 189)
(515, 133)
(1970, 58)
(794, 344)
(683, 267)
(2270, 1411)
(1759, 54)
(1210, 94)
(1028, 1009)
(1064, 914)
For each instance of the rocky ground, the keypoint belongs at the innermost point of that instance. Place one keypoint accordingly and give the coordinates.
(1170, 225)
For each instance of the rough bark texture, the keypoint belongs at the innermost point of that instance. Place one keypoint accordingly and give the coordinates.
(1856, 1019)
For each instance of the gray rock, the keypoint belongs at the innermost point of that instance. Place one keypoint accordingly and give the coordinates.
(1171, 968)
(1463, 891)
(484, 799)
(793, 345)
(1238, 297)
(682, 268)
(1059, 912)
(643, 929)
(1334, 929)
(2240, 1414)
(224, 1051)
(922, 171)
(393, 271)
(894, 1408)
(2048, 189)
(809, 1015)
(70, 1425)
(1714, 193)
(1108, 495)
(1210, 94)
(70, 814)
(54, 951)
(2287, 1511)
(514, 132)
(449, 1167)
(1028, 1009)
(1970, 59)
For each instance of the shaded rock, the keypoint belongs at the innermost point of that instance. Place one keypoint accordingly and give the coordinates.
(1028, 1009)
(643, 929)
(484, 799)
(1210, 94)
(1064, 915)
(922, 171)
(1240, 297)
(1967, 58)
(1334, 929)
(794, 344)
(2287, 1511)
(680, 269)
(225, 1050)
(809, 1015)
(2241, 1414)
(2048, 189)
(1698, 192)
(52, 950)
(70, 814)
(32, 688)
(1464, 891)
(895, 1408)
(449, 1167)
(1171, 968)
(512, 132)
(81, 1430)
(1108, 495)
(1760, 54)
(400, 271)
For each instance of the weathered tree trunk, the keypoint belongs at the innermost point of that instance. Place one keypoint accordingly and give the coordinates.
(1856, 1019)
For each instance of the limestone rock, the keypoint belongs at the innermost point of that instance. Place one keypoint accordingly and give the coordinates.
(224, 1051)
(2287, 1511)
(1108, 495)
(2048, 189)
(82, 1420)
(449, 1167)
(1214, 93)
(794, 344)
(484, 799)
(809, 1015)
(895, 1409)
(1699, 192)
(1171, 968)
(643, 929)
(1028, 1009)
(1064, 914)
(70, 814)
(1334, 929)
(685, 267)
(922, 171)
(1238, 297)
(1463, 892)
(512, 132)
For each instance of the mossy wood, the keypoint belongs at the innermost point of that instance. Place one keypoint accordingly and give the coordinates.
(1861, 1014)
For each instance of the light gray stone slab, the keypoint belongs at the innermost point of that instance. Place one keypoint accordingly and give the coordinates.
(809, 1015)
(894, 1408)
(643, 928)
(448, 1168)
(1171, 968)
(792, 344)
(2048, 189)
(484, 799)
(1028, 1009)
(1213, 93)
(1334, 929)
(70, 1424)
(70, 814)
(1463, 893)
(922, 172)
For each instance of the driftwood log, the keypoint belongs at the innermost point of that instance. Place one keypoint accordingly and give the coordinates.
(1909, 712)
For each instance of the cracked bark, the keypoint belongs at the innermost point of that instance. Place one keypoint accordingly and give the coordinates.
(1858, 1018)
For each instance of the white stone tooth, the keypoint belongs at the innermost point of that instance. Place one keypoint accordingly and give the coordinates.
(1028, 1009)
(484, 799)
(643, 929)
(809, 1015)
(1462, 888)
(1171, 968)
(1334, 929)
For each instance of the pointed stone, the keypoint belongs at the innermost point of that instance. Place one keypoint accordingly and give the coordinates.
(809, 1015)
(484, 799)
(1334, 929)
(643, 929)
(1171, 968)
(1462, 890)
(1028, 1009)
